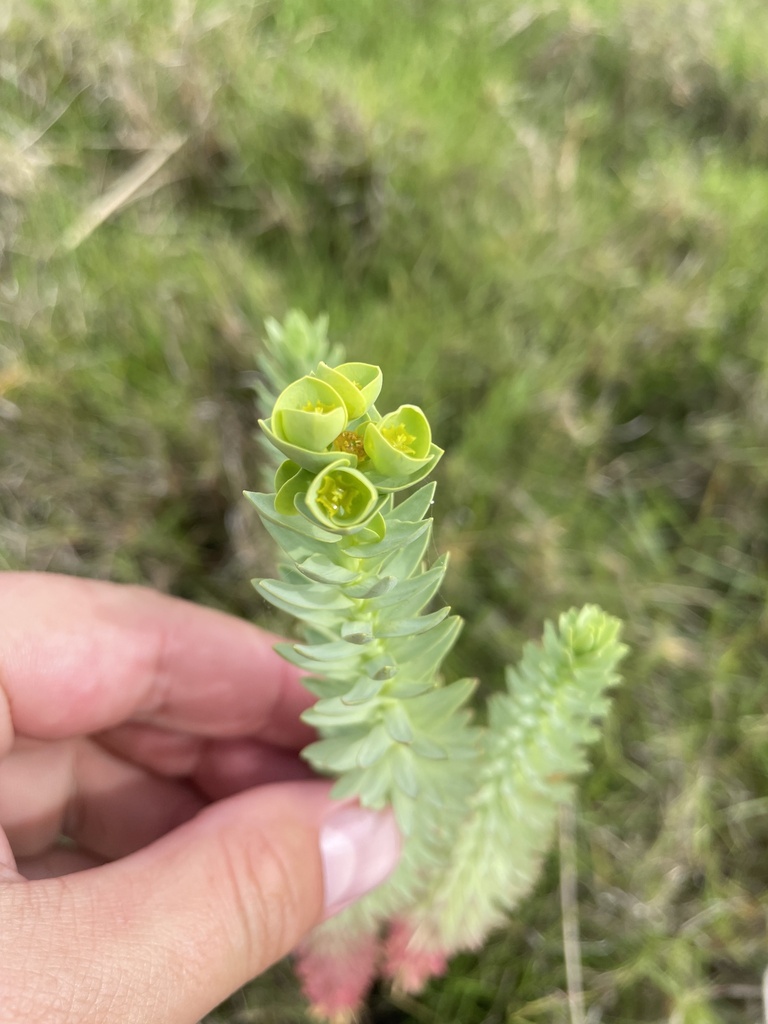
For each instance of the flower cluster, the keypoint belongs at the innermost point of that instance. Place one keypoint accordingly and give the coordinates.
(342, 456)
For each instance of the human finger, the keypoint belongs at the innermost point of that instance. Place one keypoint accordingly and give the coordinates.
(80, 656)
(178, 926)
(106, 806)
(228, 767)
(56, 861)
(219, 767)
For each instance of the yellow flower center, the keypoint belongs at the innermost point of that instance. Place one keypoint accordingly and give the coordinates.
(351, 444)
(399, 438)
(335, 498)
(317, 407)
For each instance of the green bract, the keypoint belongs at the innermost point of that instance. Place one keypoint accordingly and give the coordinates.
(290, 481)
(340, 497)
(358, 384)
(308, 415)
(400, 443)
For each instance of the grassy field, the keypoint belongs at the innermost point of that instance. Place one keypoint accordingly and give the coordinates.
(547, 222)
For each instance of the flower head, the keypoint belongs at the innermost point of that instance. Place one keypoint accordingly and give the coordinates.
(307, 416)
(310, 417)
(340, 497)
(328, 419)
(401, 443)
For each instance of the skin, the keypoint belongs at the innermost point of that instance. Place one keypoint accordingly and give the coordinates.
(161, 739)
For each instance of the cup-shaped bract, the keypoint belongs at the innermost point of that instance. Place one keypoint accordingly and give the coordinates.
(358, 384)
(307, 416)
(340, 498)
(400, 443)
(290, 481)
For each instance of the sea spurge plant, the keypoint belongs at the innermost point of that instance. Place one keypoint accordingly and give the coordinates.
(476, 805)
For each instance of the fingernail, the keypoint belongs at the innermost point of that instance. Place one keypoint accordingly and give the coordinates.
(359, 848)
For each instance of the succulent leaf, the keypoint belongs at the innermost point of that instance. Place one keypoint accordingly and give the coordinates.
(386, 482)
(320, 569)
(397, 535)
(390, 628)
(415, 506)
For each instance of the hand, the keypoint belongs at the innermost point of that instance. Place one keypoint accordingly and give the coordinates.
(161, 740)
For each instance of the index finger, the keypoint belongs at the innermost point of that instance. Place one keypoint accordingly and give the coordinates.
(79, 656)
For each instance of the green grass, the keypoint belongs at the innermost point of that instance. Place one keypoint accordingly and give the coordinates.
(547, 224)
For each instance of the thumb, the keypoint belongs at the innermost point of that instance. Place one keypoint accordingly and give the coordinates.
(169, 932)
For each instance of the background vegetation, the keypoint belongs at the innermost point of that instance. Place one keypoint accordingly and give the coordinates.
(547, 222)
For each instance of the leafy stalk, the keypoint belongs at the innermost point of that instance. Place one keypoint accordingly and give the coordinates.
(533, 748)
(476, 805)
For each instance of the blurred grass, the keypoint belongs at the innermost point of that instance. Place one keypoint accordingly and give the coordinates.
(547, 223)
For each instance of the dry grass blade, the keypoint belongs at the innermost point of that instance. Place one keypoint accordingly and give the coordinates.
(121, 192)
(570, 913)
